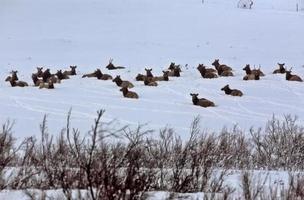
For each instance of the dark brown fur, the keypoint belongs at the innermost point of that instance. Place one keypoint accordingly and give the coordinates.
(61, 75)
(251, 77)
(218, 66)
(46, 75)
(39, 72)
(291, 77)
(111, 66)
(128, 94)
(149, 73)
(281, 69)
(122, 83)
(150, 82)
(201, 102)
(254, 71)
(232, 92)
(206, 73)
(102, 76)
(15, 83)
(164, 77)
(140, 77)
(71, 72)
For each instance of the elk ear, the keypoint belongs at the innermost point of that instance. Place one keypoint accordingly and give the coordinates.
(283, 64)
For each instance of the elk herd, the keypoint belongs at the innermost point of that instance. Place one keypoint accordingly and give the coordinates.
(45, 79)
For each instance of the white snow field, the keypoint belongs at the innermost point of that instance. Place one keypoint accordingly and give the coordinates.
(142, 33)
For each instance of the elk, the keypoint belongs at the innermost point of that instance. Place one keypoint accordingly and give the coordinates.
(218, 66)
(149, 73)
(164, 77)
(254, 71)
(90, 75)
(36, 80)
(61, 76)
(111, 66)
(14, 75)
(291, 77)
(208, 70)
(39, 72)
(128, 94)
(176, 71)
(232, 92)
(150, 82)
(201, 102)
(222, 72)
(140, 77)
(15, 83)
(48, 85)
(172, 66)
(46, 75)
(281, 69)
(71, 72)
(102, 76)
(251, 77)
(122, 83)
(206, 73)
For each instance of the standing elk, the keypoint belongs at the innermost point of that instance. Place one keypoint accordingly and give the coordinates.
(232, 92)
(201, 102)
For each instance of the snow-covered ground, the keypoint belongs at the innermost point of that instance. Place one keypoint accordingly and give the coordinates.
(143, 33)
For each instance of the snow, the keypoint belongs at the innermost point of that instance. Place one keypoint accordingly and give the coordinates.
(139, 34)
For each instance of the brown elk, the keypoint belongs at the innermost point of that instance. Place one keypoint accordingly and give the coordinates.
(46, 75)
(206, 73)
(164, 77)
(175, 71)
(15, 83)
(48, 85)
(61, 76)
(39, 72)
(150, 82)
(128, 94)
(222, 72)
(292, 77)
(140, 77)
(36, 80)
(71, 72)
(281, 69)
(111, 66)
(201, 102)
(232, 92)
(122, 83)
(222, 67)
(90, 75)
(251, 77)
(149, 73)
(172, 66)
(208, 70)
(254, 71)
(102, 76)
(14, 75)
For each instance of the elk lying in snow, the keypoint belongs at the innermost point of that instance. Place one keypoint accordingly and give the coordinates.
(90, 75)
(128, 94)
(218, 66)
(232, 92)
(14, 75)
(149, 73)
(208, 70)
(254, 71)
(15, 83)
(122, 83)
(48, 85)
(150, 82)
(205, 72)
(39, 72)
(281, 69)
(251, 77)
(164, 77)
(61, 76)
(140, 77)
(201, 102)
(175, 71)
(102, 76)
(224, 73)
(71, 72)
(46, 75)
(111, 66)
(290, 77)
(36, 80)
